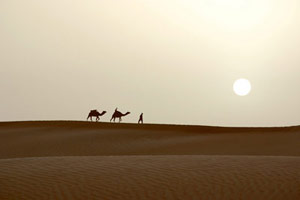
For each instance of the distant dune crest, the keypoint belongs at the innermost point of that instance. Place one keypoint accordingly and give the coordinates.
(82, 160)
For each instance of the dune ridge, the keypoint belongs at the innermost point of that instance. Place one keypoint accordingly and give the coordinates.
(60, 138)
(83, 160)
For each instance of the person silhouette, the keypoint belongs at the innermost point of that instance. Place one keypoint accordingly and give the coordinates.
(141, 119)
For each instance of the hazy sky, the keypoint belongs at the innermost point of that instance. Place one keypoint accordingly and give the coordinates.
(174, 60)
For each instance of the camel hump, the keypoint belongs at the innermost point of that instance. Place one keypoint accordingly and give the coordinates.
(94, 112)
(117, 113)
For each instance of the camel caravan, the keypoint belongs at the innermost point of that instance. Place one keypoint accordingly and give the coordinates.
(116, 114)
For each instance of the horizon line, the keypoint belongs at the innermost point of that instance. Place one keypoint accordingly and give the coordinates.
(130, 123)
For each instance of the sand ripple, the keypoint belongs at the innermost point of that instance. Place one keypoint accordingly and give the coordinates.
(151, 177)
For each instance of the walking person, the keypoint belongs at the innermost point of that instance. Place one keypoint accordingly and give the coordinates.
(141, 119)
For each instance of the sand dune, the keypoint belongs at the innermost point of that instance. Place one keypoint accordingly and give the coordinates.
(82, 160)
(151, 177)
(39, 139)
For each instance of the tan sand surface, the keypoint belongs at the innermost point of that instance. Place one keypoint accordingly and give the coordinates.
(83, 160)
(39, 139)
(151, 177)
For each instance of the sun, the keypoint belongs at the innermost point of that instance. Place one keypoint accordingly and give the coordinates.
(242, 87)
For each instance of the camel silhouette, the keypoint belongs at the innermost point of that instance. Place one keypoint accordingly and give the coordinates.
(119, 115)
(95, 113)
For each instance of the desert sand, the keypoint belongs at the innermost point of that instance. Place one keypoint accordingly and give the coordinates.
(84, 160)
